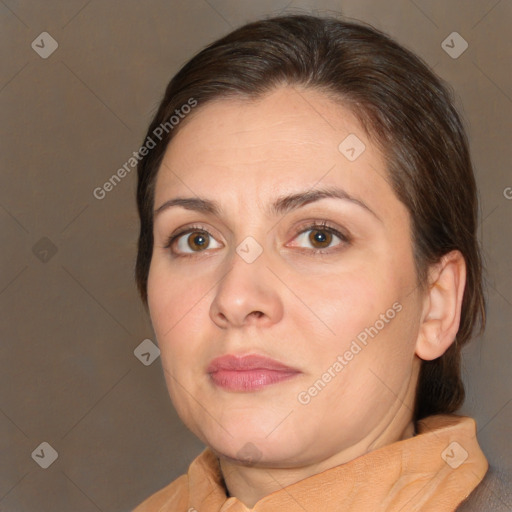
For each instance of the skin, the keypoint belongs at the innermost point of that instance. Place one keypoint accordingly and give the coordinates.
(291, 304)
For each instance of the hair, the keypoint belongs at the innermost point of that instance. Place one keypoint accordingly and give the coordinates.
(403, 106)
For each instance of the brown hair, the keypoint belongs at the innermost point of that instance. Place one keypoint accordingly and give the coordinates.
(401, 104)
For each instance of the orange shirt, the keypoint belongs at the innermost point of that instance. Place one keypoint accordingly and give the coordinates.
(433, 471)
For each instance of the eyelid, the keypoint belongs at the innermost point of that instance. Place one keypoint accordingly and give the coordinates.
(324, 225)
(186, 231)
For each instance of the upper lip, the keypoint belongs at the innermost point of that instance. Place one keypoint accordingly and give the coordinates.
(248, 362)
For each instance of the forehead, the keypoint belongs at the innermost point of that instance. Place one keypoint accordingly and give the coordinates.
(288, 139)
(266, 126)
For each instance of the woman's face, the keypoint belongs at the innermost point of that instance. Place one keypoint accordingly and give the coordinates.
(337, 305)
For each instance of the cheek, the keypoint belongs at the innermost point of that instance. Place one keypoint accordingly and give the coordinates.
(368, 314)
(371, 357)
(176, 310)
(178, 307)
(174, 300)
(348, 302)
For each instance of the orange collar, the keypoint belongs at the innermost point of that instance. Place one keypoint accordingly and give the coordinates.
(432, 471)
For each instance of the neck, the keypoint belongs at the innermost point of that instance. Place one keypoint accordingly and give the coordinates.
(251, 484)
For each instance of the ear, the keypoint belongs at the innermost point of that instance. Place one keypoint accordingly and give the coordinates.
(441, 306)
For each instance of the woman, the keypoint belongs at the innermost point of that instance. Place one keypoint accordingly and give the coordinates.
(309, 259)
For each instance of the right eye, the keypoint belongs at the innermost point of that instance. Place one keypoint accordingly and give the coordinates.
(191, 241)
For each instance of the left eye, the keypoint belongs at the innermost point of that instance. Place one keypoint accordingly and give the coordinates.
(320, 237)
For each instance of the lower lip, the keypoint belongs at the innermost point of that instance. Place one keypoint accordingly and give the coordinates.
(249, 380)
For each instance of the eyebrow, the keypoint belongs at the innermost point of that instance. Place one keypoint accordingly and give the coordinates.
(280, 206)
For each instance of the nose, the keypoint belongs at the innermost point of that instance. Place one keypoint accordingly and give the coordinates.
(247, 295)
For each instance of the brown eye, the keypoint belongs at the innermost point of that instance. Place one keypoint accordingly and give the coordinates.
(197, 241)
(191, 241)
(320, 238)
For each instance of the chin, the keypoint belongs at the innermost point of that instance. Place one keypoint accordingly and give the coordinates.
(252, 446)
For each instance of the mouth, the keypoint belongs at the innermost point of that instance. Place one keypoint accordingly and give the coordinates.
(248, 373)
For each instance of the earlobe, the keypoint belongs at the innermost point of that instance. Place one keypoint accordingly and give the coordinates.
(442, 306)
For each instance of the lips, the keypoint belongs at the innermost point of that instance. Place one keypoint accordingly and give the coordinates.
(248, 373)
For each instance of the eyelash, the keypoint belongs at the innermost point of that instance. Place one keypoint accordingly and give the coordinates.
(322, 226)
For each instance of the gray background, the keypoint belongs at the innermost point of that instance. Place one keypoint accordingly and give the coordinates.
(72, 319)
